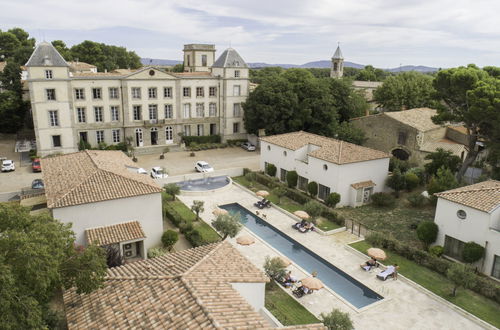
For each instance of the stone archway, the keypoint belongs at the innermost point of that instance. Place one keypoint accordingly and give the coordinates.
(400, 154)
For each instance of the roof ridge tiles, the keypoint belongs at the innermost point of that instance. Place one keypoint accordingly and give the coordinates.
(205, 257)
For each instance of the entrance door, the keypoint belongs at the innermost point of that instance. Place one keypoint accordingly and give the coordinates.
(169, 135)
(154, 136)
(213, 129)
(138, 137)
(84, 136)
(367, 193)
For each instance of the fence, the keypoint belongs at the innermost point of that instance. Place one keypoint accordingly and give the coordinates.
(193, 176)
(356, 228)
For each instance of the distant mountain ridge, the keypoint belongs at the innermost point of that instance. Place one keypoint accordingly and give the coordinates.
(315, 64)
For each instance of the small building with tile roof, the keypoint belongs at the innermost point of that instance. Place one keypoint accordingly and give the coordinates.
(471, 214)
(410, 134)
(105, 199)
(208, 287)
(355, 172)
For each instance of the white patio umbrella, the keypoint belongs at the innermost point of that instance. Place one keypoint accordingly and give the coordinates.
(302, 214)
(378, 254)
(262, 193)
(312, 283)
(218, 212)
(245, 240)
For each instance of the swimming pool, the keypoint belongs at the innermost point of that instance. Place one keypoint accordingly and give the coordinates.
(344, 285)
(204, 184)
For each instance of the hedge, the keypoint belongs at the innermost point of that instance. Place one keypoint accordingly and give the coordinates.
(482, 285)
(201, 139)
(235, 142)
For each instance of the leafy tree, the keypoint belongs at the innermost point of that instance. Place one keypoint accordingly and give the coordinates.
(416, 199)
(312, 188)
(442, 181)
(320, 72)
(279, 191)
(197, 207)
(471, 98)
(271, 169)
(396, 181)
(405, 91)
(257, 76)
(333, 199)
(427, 232)
(38, 256)
(349, 133)
(227, 225)
(178, 68)
(63, 49)
(314, 209)
(336, 320)
(383, 199)
(348, 102)
(11, 117)
(369, 73)
(172, 189)
(493, 71)
(169, 238)
(411, 180)
(441, 158)
(291, 179)
(472, 252)
(274, 268)
(461, 275)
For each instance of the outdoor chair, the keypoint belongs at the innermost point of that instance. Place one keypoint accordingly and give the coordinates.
(389, 272)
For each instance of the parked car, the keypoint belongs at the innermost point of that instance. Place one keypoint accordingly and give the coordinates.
(142, 171)
(37, 184)
(36, 166)
(248, 146)
(8, 165)
(202, 166)
(158, 173)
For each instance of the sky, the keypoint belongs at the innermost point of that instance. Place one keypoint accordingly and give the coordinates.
(384, 33)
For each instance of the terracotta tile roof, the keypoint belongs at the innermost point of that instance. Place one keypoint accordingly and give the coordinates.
(419, 118)
(483, 196)
(364, 184)
(366, 84)
(92, 176)
(80, 65)
(446, 144)
(121, 232)
(331, 150)
(190, 289)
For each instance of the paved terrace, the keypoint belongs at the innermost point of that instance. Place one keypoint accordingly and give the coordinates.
(404, 306)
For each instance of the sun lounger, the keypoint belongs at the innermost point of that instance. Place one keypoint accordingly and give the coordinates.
(389, 272)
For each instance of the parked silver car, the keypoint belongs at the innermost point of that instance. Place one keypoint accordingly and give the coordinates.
(248, 146)
(8, 165)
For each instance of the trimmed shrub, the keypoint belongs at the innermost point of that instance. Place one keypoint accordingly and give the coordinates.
(235, 142)
(312, 188)
(417, 200)
(314, 209)
(332, 216)
(395, 163)
(274, 268)
(246, 171)
(169, 238)
(271, 170)
(156, 252)
(291, 179)
(436, 250)
(427, 232)
(297, 196)
(188, 140)
(337, 320)
(412, 181)
(462, 276)
(383, 199)
(472, 252)
(332, 200)
(266, 180)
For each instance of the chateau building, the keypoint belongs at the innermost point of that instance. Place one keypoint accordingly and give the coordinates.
(150, 106)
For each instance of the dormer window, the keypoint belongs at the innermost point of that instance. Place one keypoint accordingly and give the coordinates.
(48, 74)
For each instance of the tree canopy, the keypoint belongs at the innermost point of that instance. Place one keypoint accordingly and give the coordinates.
(369, 73)
(441, 158)
(38, 256)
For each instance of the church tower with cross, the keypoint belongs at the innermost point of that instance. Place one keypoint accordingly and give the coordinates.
(337, 70)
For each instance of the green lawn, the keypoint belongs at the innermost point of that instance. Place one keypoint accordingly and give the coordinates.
(207, 233)
(286, 309)
(326, 225)
(482, 307)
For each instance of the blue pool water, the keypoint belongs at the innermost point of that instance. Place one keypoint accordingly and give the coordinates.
(344, 285)
(209, 183)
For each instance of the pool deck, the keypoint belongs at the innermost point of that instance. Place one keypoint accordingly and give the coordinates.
(404, 306)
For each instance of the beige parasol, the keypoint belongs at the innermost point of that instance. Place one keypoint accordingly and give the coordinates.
(312, 283)
(262, 193)
(302, 214)
(285, 261)
(378, 254)
(245, 240)
(218, 212)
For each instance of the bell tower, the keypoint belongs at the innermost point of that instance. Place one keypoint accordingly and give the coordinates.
(337, 70)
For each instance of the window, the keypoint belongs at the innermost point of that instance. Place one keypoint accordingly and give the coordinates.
(284, 153)
(56, 141)
(188, 60)
(236, 90)
(236, 110)
(496, 267)
(51, 94)
(167, 92)
(283, 173)
(98, 114)
(186, 91)
(212, 109)
(152, 92)
(236, 73)
(136, 92)
(153, 112)
(200, 110)
(96, 93)
(169, 114)
(137, 112)
(200, 91)
(113, 93)
(303, 183)
(79, 94)
(236, 127)
(402, 138)
(461, 214)
(116, 135)
(453, 247)
(199, 129)
(53, 118)
(268, 148)
(48, 74)
(203, 60)
(213, 129)
(114, 113)
(169, 134)
(212, 91)
(187, 130)
(323, 191)
(81, 116)
(99, 135)
(187, 110)
(325, 167)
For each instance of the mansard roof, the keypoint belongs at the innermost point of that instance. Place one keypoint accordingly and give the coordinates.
(46, 55)
(230, 59)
